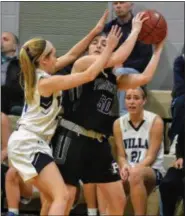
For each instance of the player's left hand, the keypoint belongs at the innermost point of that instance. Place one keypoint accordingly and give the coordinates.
(138, 21)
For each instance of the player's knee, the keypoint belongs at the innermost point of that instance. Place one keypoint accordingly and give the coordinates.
(46, 203)
(46, 199)
(135, 176)
(12, 176)
(62, 196)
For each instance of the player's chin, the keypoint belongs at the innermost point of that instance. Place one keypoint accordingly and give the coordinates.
(132, 111)
(97, 53)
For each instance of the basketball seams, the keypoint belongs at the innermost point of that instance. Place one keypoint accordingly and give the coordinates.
(153, 29)
(155, 32)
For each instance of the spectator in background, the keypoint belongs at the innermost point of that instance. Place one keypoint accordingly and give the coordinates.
(12, 95)
(141, 54)
(11, 90)
(173, 180)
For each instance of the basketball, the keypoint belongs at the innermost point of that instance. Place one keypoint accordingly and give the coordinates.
(154, 29)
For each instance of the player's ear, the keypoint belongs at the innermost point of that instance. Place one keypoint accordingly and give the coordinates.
(144, 101)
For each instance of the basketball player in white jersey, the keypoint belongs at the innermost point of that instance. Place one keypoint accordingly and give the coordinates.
(64, 60)
(28, 149)
(139, 145)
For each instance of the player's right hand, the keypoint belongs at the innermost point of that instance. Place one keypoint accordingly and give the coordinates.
(178, 163)
(114, 36)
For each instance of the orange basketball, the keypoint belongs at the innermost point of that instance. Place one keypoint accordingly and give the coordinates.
(154, 29)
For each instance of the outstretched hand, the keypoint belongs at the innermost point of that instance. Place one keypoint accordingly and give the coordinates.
(114, 36)
(101, 23)
(138, 21)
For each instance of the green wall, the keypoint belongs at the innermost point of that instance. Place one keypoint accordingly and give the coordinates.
(63, 23)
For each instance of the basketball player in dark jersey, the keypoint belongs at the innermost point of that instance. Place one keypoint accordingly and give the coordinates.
(81, 147)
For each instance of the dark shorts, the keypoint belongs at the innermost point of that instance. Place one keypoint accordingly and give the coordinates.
(80, 157)
(40, 161)
(158, 175)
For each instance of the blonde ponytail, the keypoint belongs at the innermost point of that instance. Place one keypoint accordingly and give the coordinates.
(28, 70)
(29, 61)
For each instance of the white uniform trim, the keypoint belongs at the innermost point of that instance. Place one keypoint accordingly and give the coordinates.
(36, 127)
(40, 116)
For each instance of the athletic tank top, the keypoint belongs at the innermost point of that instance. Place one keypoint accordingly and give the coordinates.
(40, 117)
(93, 105)
(137, 142)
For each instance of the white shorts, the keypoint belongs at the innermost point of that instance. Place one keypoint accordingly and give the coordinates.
(28, 153)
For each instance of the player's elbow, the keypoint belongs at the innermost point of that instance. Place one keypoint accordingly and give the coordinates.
(144, 80)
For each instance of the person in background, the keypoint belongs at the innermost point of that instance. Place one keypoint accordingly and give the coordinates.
(174, 179)
(140, 55)
(139, 147)
(12, 94)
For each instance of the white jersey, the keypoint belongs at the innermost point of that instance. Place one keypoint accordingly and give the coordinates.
(40, 117)
(137, 140)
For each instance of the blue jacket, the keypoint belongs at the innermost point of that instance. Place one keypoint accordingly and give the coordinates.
(178, 106)
(178, 77)
(12, 94)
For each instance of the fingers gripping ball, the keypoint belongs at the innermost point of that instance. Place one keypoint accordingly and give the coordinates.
(154, 29)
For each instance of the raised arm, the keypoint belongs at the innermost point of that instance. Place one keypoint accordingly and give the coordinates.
(122, 53)
(134, 80)
(82, 45)
(53, 84)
